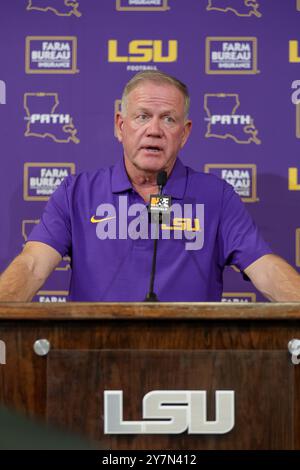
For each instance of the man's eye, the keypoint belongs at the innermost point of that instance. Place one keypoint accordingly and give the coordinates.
(169, 119)
(142, 117)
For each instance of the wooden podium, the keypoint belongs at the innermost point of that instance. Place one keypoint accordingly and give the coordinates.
(60, 358)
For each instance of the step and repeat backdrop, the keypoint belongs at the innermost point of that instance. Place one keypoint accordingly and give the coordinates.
(64, 63)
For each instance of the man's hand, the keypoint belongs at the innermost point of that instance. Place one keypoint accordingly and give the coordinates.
(275, 279)
(28, 272)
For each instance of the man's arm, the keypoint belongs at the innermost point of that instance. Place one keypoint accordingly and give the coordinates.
(275, 279)
(28, 272)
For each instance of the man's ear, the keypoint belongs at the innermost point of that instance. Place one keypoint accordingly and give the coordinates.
(119, 122)
(186, 132)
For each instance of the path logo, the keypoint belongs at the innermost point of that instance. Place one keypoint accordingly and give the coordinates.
(144, 51)
(294, 183)
(27, 227)
(44, 120)
(42, 179)
(243, 178)
(231, 55)
(51, 54)
(58, 7)
(238, 7)
(142, 5)
(298, 247)
(2, 92)
(51, 296)
(238, 297)
(225, 123)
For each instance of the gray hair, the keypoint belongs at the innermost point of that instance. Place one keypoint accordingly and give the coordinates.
(160, 78)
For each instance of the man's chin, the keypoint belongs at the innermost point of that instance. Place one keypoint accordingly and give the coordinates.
(152, 165)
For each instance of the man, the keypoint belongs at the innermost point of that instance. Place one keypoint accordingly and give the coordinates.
(85, 219)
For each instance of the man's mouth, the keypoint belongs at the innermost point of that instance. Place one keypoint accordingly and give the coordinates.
(152, 148)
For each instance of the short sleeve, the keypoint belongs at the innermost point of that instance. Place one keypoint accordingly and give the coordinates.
(241, 242)
(54, 228)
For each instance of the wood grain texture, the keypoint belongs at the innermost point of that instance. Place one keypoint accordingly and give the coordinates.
(142, 310)
(181, 329)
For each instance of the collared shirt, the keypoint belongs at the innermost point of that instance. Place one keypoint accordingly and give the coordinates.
(101, 222)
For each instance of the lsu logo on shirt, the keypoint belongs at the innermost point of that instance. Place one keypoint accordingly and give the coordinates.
(144, 50)
(183, 224)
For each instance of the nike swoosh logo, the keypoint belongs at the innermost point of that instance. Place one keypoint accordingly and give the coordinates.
(96, 221)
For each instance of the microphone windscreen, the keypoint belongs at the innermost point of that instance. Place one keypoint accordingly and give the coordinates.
(161, 178)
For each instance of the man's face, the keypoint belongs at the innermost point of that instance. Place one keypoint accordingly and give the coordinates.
(153, 129)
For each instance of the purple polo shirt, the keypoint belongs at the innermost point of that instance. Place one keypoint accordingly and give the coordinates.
(118, 269)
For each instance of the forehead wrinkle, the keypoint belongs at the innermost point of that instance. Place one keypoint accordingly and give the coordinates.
(156, 98)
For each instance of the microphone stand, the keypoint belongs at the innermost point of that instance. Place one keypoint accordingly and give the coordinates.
(151, 296)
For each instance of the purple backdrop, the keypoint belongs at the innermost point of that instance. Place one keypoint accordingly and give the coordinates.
(62, 71)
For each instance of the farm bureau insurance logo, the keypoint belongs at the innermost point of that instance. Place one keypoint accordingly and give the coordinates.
(238, 7)
(238, 297)
(51, 296)
(42, 179)
(51, 54)
(231, 55)
(243, 178)
(225, 123)
(27, 227)
(142, 5)
(58, 7)
(143, 51)
(44, 120)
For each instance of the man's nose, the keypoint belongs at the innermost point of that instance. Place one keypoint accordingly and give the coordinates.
(154, 127)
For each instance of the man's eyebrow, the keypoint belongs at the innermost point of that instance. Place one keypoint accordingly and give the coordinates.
(141, 109)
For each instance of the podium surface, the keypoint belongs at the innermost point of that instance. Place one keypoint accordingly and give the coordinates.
(157, 376)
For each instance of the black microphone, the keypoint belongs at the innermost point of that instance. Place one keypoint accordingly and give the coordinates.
(161, 180)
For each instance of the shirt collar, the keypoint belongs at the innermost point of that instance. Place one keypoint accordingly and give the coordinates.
(175, 186)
